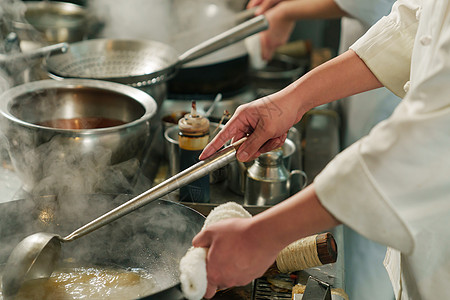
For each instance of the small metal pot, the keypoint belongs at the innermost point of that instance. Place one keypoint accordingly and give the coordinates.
(237, 171)
(268, 181)
(35, 144)
(54, 22)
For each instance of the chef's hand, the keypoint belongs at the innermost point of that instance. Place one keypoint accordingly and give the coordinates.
(265, 121)
(237, 254)
(280, 29)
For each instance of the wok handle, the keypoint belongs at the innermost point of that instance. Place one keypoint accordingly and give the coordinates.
(200, 169)
(229, 37)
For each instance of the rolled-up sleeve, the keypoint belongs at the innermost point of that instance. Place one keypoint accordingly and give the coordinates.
(387, 46)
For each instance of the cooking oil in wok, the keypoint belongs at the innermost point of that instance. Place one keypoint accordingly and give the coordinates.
(89, 283)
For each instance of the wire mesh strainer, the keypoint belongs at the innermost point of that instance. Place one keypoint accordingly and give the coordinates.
(139, 62)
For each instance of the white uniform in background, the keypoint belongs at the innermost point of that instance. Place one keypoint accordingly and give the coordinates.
(365, 276)
(393, 185)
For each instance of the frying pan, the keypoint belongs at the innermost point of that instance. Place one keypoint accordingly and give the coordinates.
(153, 238)
(139, 62)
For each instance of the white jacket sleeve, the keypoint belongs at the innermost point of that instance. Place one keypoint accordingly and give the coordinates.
(387, 47)
(353, 186)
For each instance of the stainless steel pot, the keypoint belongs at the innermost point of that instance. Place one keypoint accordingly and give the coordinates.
(153, 238)
(36, 147)
(54, 22)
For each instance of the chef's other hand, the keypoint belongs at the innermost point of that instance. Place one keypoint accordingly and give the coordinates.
(280, 29)
(263, 5)
(237, 254)
(279, 32)
(265, 121)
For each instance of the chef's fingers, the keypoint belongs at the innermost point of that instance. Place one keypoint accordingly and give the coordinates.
(251, 148)
(202, 239)
(210, 291)
(253, 3)
(235, 128)
(273, 143)
(264, 5)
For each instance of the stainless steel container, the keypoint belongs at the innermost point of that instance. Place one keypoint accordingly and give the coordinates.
(173, 151)
(237, 171)
(38, 149)
(268, 181)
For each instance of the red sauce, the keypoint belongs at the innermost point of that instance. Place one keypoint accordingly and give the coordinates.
(82, 123)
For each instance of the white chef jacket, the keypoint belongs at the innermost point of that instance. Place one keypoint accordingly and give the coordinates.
(365, 276)
(392, 186)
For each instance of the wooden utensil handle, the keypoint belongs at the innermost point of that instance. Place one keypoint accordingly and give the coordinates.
(312, 251)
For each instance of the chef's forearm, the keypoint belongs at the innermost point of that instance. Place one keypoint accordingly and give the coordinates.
(299, 216)
(340, 77)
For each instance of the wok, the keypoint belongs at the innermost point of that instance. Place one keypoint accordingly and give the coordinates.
(153, 238)
(139, 62)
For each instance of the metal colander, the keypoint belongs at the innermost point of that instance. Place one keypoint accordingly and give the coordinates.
(139, 62)
(131, 62)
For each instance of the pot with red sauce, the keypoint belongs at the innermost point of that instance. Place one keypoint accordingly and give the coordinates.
(51, 126)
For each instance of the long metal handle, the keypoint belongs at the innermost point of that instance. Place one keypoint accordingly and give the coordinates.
(33, 54)
(224, 39)
(200, 169)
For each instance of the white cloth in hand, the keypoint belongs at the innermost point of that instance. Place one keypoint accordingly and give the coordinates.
(193, 264)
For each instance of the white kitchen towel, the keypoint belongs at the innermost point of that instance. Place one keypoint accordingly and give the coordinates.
(193, 264)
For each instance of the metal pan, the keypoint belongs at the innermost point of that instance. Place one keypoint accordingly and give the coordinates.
(154, 238)
(139, 62)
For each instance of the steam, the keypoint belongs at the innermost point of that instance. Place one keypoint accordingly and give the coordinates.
(68, 187)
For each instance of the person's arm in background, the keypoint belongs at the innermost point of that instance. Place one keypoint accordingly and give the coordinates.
(268, 119)
(282, 16)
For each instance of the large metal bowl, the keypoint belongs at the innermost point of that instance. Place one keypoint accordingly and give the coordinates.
(39, 151)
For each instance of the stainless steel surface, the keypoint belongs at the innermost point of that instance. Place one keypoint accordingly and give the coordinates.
(26, 257)
(54, 22)
(137, 62)
(33, 147)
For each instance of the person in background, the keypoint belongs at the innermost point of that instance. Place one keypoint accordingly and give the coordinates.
(363, 258)
(390, 186)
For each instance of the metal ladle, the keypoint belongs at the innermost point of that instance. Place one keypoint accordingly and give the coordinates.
(36, 256)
